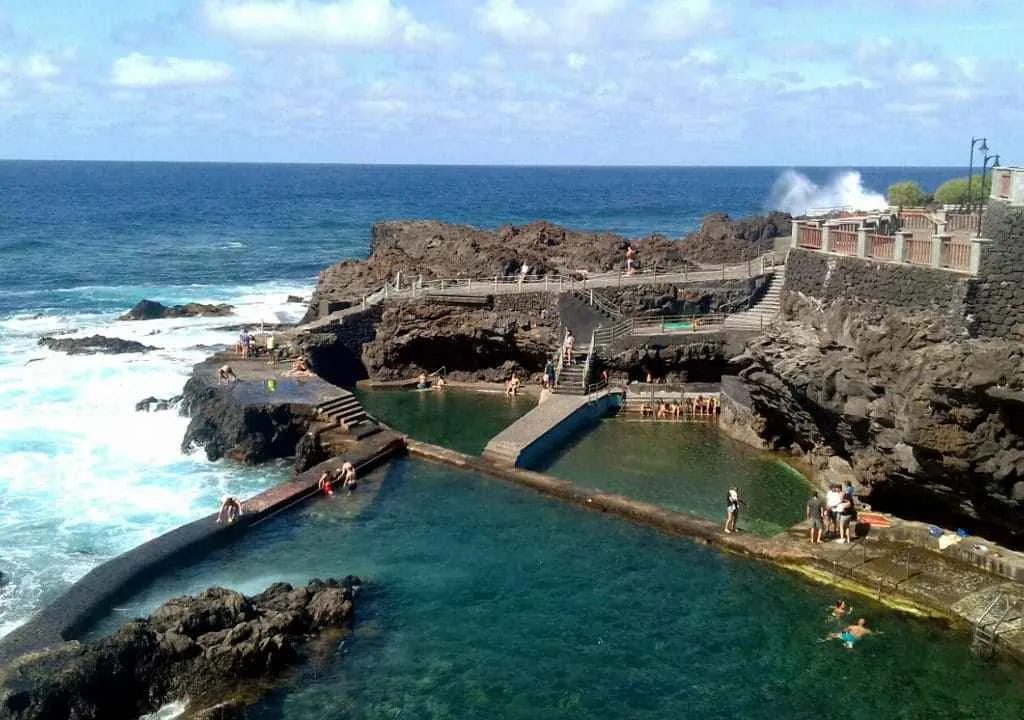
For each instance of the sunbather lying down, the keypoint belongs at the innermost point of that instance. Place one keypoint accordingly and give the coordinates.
(299, 367)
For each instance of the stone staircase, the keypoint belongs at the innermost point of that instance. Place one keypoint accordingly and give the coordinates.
(502, 452)
(571, 379)
(765, 311)
(578, 315)
(347, 412)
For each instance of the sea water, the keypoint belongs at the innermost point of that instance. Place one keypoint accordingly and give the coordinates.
(485, 600)
(84, 477)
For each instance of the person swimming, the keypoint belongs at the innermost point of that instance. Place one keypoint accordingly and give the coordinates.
(421, 383)
(852, 633)
(840, 609)
(348, 474)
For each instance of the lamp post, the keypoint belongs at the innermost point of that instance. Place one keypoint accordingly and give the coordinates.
(984, 171)
(970, 172)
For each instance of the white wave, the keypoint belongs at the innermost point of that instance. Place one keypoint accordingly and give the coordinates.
(799, 195)
(86, 477)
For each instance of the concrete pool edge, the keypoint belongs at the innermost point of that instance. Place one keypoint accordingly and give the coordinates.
(785, 553)
(71, 613)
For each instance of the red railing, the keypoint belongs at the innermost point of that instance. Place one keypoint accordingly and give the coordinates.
(916, 220)
(847, 226)
(917, 251)
(842, 242)
(961, 221)
(882, 247)
(955, 255)
(808, 237)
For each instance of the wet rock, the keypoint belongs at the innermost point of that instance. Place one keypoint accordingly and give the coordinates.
(154, 404)
(93, 345)
(217, 649)
(295, 299)
(153, 310)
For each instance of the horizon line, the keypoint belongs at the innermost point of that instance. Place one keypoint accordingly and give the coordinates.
(470, 165)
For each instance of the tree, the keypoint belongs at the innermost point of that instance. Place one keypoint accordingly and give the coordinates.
(906, 194)
(954, 191)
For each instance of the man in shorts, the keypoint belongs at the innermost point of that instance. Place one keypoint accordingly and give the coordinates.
(816, 516)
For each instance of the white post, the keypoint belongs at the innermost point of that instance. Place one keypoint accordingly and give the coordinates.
(937, 249)
(976, 244)
(899, 252)
(495, 284)
(826, 241)
(862, 242)
(795, 234)
(545, 283)
(469, 284)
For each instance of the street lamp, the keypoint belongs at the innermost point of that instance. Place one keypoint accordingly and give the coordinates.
(984, 170)
(970, 172)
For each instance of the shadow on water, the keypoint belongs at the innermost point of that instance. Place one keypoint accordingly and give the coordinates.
(487, 601)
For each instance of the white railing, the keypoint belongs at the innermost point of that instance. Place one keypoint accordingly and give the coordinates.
(604, 304)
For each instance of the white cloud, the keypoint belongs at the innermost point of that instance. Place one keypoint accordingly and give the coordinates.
(40, 67)
(679, 19)
(342, 23)
(699, 56)
(512, 22)
(921, 71)
(576, 61)
(141, 71)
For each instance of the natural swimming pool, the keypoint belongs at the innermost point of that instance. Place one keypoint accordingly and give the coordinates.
(458, 419)
(484, 600)
(684, 466)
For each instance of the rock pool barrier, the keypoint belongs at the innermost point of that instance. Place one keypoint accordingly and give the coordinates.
(71, 614)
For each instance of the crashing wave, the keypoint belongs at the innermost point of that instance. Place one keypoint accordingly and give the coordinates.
(798, 195)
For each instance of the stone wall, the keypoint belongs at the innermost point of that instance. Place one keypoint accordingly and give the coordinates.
(996, 299)
(335, 350)
(528, 303)
(675, 299)
(827, 278)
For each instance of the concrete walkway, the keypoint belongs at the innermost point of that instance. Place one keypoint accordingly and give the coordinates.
(542, 430)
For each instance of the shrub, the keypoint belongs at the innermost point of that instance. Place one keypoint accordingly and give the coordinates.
(906, 194)
(955, 190)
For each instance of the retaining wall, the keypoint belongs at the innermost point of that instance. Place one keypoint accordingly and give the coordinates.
(996, 299)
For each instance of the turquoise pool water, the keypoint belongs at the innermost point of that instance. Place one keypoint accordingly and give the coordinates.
(484, 600)
(458, 419)
(684, 466)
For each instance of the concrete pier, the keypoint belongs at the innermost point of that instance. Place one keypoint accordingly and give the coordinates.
(545, 428)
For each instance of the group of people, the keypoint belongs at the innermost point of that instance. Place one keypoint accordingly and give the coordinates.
(698, 406)
(346, 475)
(422, 382)
(246, 344)
(837, 516)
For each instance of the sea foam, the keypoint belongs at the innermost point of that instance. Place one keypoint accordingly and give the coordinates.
(86, 477)
(799, 195)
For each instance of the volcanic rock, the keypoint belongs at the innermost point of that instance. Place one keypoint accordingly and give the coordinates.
(93, 345)
(217, 648)
(721, 239)
(153, 310)
(154, 404)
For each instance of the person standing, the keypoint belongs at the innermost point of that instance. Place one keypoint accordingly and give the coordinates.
(630, 259)
(815, 514)
(569, 341)
(549, 375)
(732, 510)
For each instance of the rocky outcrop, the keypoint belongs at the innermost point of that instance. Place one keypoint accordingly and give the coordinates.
(153, 310)
(155, 404)
(930, 422)
(223, 426)
(93, 345)
(721, 239)
(217, 649)
(661, 299)
(472, 343)
(428, 249)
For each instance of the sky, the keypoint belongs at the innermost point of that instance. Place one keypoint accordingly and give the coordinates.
(578, 82)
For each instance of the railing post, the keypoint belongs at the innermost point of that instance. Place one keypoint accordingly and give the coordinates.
(826, 241)
(591, 297)
(794, 240)
(862, 243)
(899, 251)
(469, 284)
(495, 284)
(385, 289)
(976, 244)
(442, 284)
(545, 283)
(937, 249)
(723, 271)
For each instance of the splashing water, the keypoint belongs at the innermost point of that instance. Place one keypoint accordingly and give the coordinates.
(799, 195)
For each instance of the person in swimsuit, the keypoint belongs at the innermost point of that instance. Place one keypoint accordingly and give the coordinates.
(324, 484)
(348, 474)
(852, 633)
(663, 410)
(226, 374)
(439, 385)
(732, 510)
(815, 514)
(230, 510)
(421, 382)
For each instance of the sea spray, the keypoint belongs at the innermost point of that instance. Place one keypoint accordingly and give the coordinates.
(86, 477)
(799, 195)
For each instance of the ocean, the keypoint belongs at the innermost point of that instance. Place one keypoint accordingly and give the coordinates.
(84, 475)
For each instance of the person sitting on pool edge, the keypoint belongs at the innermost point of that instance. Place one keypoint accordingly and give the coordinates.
(230, 510)
(440, 383)
(663, 410)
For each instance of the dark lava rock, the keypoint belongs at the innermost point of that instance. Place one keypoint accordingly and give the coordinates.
(294, 299)
(154, 404)
(152, 310)
(217, 649)
(93, 345)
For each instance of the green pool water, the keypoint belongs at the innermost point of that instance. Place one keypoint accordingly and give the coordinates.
(458, 419)
(483, 600)
(684, 466)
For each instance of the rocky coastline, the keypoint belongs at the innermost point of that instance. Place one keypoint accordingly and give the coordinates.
(217, 651)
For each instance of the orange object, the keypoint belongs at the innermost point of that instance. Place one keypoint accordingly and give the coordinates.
(875, 519)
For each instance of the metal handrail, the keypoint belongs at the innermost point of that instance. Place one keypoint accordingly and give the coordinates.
(604, 304)
(590, 356)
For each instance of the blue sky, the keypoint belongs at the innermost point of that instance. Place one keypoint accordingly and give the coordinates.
(676, 82)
